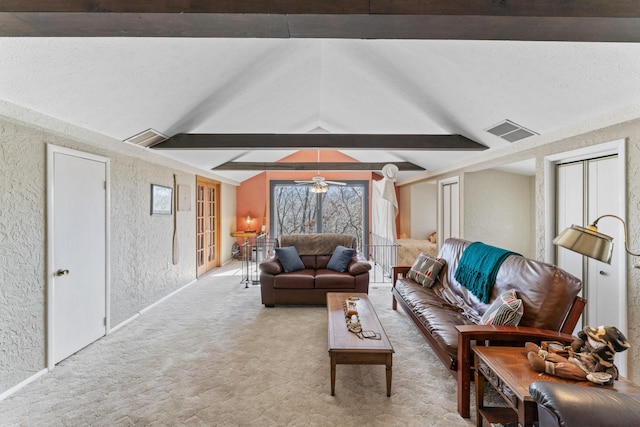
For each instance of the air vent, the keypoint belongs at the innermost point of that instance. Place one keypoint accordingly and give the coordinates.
(147, 138)
(510, 131)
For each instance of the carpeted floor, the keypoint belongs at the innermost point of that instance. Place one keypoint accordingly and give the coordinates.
(212, 355)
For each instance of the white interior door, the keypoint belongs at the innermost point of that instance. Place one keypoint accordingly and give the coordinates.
(449, 201)
(587, 189)
(604, 285)
(77, 252)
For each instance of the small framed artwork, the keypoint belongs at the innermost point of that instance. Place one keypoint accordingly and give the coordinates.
(161, 200)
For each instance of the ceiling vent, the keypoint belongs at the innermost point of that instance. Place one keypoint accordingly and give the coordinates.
(510, 131)
(147, 138)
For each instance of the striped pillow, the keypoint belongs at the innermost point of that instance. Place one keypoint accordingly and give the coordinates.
(506, 310)
(425, 270)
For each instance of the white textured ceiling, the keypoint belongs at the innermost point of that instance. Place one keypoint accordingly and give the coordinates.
(122, 86)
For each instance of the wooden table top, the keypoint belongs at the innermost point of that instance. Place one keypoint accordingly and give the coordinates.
(512, 366)
(341, 339)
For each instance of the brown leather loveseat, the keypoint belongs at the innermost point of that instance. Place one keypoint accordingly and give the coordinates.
(573, 405)
(310, 283)
(448, 314)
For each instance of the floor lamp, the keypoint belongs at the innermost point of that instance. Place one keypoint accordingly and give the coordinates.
(589, 242)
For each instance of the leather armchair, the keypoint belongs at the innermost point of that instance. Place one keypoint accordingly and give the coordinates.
(571, 405)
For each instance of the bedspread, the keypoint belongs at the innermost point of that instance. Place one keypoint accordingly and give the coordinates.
(409, 249)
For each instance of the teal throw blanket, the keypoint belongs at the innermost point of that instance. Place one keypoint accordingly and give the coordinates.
(478, 268)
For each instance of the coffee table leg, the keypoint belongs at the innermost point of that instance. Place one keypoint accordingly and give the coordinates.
(388, 364)
(333, 373)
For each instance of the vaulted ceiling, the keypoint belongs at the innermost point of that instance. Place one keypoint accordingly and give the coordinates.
(421, 83)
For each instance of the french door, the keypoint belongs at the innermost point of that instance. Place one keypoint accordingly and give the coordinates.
(207, 225)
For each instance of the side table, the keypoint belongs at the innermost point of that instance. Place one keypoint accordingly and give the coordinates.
(508, 371)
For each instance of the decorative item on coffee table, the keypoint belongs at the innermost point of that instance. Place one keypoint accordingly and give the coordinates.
(353, 321)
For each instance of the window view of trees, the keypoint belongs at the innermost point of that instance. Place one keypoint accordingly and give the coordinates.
(342, 209)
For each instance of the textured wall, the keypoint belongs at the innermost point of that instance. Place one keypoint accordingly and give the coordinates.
(141, 254)
(22, 254)
(498, 210)
(142, 271)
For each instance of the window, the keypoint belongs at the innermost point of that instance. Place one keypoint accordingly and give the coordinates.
(342, 209)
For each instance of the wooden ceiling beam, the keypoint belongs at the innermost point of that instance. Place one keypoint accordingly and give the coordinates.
(314, 166)
(544, 20)
(553, 8)
(238, 141)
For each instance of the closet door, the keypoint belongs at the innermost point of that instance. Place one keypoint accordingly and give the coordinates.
(606, 290)
(570, 210)
(586, 190)
(207, 225)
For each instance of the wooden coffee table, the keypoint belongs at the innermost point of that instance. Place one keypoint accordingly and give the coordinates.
(509, 372)
(345, 347)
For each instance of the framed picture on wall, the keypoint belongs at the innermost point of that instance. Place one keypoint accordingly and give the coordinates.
(161, 200)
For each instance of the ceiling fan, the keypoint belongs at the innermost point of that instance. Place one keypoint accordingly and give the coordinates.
(318, 183)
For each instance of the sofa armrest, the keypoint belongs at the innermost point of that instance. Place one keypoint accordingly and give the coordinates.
(469, 333)
(358, 264)
(561, 404)
(271, 265)
(399, 270)
(358, 267)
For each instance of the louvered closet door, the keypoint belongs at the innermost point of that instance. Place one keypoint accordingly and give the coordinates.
(207, 225)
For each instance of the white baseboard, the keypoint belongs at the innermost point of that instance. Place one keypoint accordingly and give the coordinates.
(149, 307)
(15, 388)
(121, 324)
(166, 297)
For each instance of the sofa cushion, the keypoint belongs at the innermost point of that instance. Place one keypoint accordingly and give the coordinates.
(330, 279)
(425, 269)
(301, 279)
(506, 310)
(340, 259)
(289, 259)
(438, 317)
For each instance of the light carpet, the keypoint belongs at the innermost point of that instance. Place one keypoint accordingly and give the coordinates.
(212, 355)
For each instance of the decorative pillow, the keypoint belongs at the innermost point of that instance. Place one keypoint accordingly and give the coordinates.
(433, 237)
(289, 259)
(425, 270)
(506, 310)
(340, 259)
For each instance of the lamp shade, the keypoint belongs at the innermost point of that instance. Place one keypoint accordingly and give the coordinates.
(586, 241)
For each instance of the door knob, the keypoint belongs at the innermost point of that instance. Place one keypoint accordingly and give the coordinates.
(603, 273)
(62, 272)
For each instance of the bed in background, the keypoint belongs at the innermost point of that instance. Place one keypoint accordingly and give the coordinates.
(409, 249)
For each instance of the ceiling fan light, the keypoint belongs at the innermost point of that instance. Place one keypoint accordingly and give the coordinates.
(318, 188)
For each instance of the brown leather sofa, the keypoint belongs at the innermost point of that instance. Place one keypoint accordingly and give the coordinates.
(571, 405)
(447, 314)
(311, 284)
